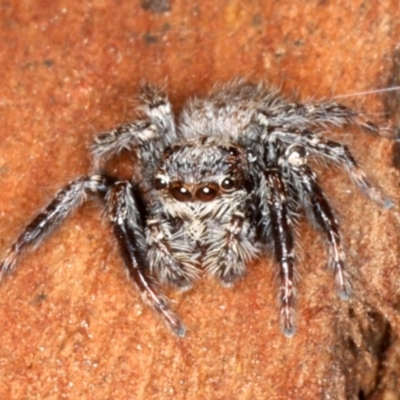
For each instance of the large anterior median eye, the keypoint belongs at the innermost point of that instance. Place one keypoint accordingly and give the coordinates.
(180, 193)
(206, 193)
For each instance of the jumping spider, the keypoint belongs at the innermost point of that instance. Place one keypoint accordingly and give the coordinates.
(214, 189)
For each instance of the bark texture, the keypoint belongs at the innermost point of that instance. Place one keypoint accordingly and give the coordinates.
(71, 325)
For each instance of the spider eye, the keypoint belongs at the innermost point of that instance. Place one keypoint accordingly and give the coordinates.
(160, 183)
(233, 151)
(206, 193)
(180, 193)
(228, 184)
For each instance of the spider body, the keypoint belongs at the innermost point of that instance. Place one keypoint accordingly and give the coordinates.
(215, 189)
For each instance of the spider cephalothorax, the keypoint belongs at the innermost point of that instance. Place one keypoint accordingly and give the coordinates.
(214, 189)
(200, 186)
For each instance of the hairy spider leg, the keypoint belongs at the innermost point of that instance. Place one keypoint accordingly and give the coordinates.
(153, 132)
(65, 201)
(227, 257)
(126, 216)
(340, 154)
(282, 233)
(126, 136)
(322, 115)
(175, 267)
(321, 212)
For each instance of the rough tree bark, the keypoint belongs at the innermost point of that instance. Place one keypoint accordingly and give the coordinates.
(71, 325)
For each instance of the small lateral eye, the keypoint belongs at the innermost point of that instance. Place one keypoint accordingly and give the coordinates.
(233, 151)
(180, 193)
(228, 184)
(206, 193)
(160, 183)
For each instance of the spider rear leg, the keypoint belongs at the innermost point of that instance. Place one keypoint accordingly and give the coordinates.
(330, 113)
(316, 203)
(281, 226)
(123, 209)
(339, 154)
(66, 201)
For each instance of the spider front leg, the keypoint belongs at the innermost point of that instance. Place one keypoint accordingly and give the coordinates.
(125, 211)
(281, 226)
(154, 130)
(230, 248)
(172, 264)
(66, 201)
